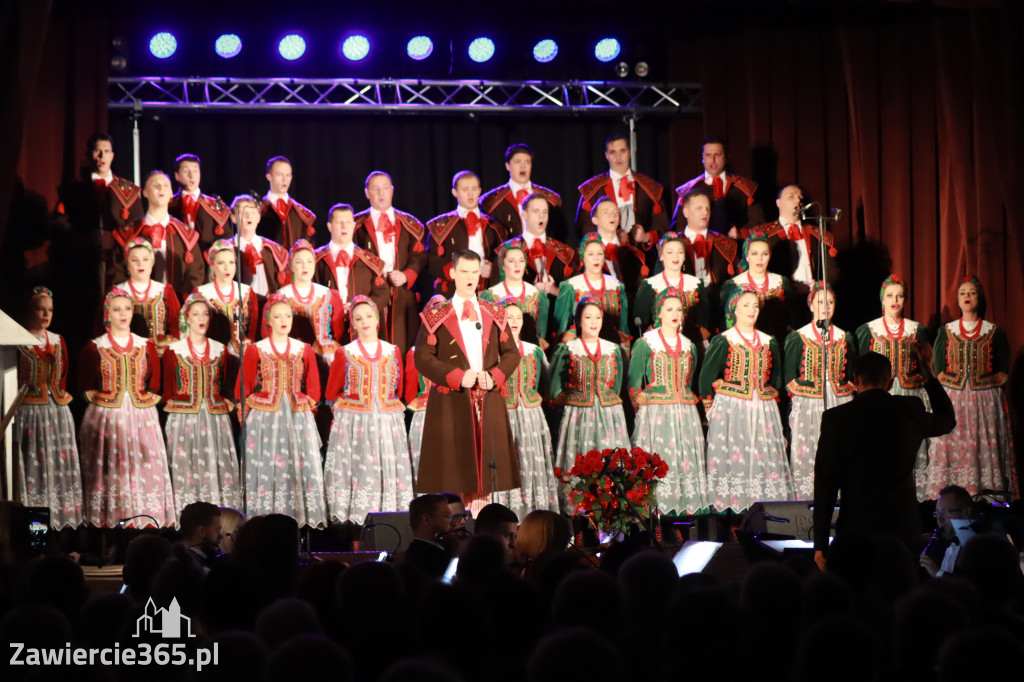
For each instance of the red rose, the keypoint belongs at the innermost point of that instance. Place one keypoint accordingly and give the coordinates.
(641, 461)
(558, 472)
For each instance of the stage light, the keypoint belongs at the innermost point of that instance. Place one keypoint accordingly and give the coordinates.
(607, 49)
(118, 63)
(163, 45)
(545, 51)
(292, 46)
(420, 47)
(228, 45)
(481, 50)
(355, 47)
(642, 69)
(622, 69)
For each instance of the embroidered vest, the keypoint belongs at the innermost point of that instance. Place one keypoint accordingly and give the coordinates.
(41, 372)
(668, 379)
(810, 366)
(522, 385)
(969, 361)
(196, 382)
(359, 393)
(747, 371)
(588, 380)
(122, 373)
(279, 377)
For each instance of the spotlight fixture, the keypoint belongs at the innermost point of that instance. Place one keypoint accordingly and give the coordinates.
(481, 50)
(420, 47)
(622, 69)
(642, 69)
(228, 45)
(118, 42)
(545, 51)
(607, 49)
(292, 46)
(163, 45)
(118, 63)
(355, 47)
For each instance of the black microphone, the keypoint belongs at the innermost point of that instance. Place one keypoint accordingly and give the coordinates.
(479, 326)
(803, 208)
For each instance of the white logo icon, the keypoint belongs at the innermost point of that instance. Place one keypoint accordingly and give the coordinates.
(168, 623)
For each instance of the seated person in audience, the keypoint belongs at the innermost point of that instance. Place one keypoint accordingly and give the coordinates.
(264, 264)
(231, 520)
(457, 508)
(733, 208)
(505, 202)
(501, 522)
(207, 215)
(541, 533)
(467, 227)
(941, 554)
(202, 532)
(283, 219)
(429, 518)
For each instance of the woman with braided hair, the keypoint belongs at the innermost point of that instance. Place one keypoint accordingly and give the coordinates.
(740, 382)
(662, 383)
(893, 336)
(972, 362)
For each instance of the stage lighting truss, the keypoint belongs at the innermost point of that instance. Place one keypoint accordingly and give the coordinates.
(421, 96)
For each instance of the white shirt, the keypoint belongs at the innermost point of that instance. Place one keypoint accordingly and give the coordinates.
(259, 276)
(802, 272)
(160, 255)
(108, 178)
(472, 333)
(385, 251)
(341, 272)
(475, 243)
(700, 266)
(709, 180)
(272, 198)
(619, 201)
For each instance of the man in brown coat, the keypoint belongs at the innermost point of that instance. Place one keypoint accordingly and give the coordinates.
(464, 348)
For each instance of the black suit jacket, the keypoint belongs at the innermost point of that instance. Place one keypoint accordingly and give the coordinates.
(867, 450)
(427, 557)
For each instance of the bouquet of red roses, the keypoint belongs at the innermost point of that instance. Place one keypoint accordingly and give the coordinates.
(601, 482)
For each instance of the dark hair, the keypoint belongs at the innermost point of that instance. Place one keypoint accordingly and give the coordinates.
(424, 505)
(713, 139)
(464, 254)
(517, 148)
(532, 197)
(604, 198)
(373, 174)
(577, 316)
(274, 159)
(961, 497)
(340, 206)
(197, 514)
(452, 497)
(186, 157)
(617, 135)
(695, 192)
(463, 174)
(784, 185)
(95, 138)
(874, 369)
(491, 517)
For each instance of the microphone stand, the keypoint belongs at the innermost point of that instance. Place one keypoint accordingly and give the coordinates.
(826, 324)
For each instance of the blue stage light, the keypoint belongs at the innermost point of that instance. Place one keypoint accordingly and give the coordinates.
(228, 45)
(607, 49)
(481, 50)
(355, 47)
(420, 47)
(292, 46)
(163, 45)
(545, 51)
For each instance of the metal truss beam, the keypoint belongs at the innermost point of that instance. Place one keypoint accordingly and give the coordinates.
(350, 95)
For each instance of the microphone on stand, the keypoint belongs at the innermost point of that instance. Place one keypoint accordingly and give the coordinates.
(638, 322)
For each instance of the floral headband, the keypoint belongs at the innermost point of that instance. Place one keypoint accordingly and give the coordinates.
(136, 243)
(40, 292)
(968, 279)
(734, 299)
(272, 300)
(671, 237)
(588, 239)
(299, 245)
(659, 301)
(115, 292)
(815, 288)
(755, 236)
(516, 243)
(512, 302)
(190, 300)
(211, 253)
(362, 299)
(889, 281)
(585, 301)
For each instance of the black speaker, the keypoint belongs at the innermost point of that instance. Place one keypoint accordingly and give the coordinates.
(385, 531)
(784, 517)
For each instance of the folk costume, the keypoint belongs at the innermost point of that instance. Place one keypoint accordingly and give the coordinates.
(207, 216)
(47, 472)
(662, 383)
(156, 305)
(711, 258)
(732, 202)
(264, 265)
(696, 307)
(639, 198)
(774, 293)
(417, 387)
(234, 311)
(504, 203)
(397, 238)
(740, 382)
(796, 250)
(610, 294)
(319, 312)
(177, 258)
(545, 254)
(466, 429)
(457, 231)
(368, 467)
(283, 220)
(350, 272)
(124, 460)
(283, 471)
(534, 303)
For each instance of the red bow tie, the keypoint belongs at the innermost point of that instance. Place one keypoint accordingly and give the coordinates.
(468, 311)
(611, 252)
(521, 194)
(718, 186)
(700, 247)
(794, 232)
(253, 257)
(386, 228)
(537, 250)
(472, 224)
(344, 260)
(281, 209)
(156, 234)
(189, 208)
(625, 188)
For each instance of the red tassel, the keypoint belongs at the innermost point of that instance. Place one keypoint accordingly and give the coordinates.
(832, 251)
(444, 287)
(586, 205)
(504, 337)
(431, 340)
(440, 250)
(418, 248)
(219, 230)
(189, 258)
(282, 277)
(731, 270)
(124, 213)
(657, 209)
(567, 271)
(310, 231)
(644, 271)
(379, 281)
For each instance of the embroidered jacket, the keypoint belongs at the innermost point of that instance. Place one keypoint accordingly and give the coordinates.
(696, 310)
(227, 317)
(271, 377)
(417, 386)
(44, 370)
(657, 377)
(319, 322)
(731, 367)
(525, 384)
(578, 381)
(873, 336)
(158, 308)
(535, 303)
(978, 363)
(350, 385)
(188, 383)
(802, 371)
(106, 374)
(613, 302)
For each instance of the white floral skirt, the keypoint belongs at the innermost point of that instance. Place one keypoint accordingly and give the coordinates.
(48, 473)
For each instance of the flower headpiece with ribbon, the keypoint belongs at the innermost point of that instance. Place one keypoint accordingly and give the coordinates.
(40, 292)
(588, 239)
(137, 243)
(272, 300)
(889, 281)
(968, 279)
(734, 299)
(659, 302)
(362, 299)
(514, 244)
(115, 292)
(299, 245)
(211, 253)
(671, 237)
(512, 302)
(815, 288)
(190, 300)
(754, 236)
